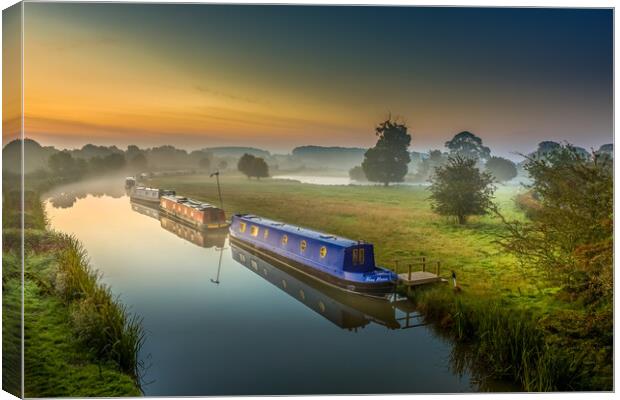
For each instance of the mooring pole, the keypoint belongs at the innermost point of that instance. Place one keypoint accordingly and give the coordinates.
(219, 191)
(219, 267)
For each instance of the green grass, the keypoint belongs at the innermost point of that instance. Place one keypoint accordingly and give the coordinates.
(509, 316)
(83, 344)
(54, 364)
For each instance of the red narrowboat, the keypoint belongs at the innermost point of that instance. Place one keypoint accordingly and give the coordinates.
(195, 213)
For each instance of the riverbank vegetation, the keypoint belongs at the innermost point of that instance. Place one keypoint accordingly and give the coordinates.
(516, 320)
(79, 339)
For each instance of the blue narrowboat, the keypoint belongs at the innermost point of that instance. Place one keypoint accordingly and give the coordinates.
(344, 263)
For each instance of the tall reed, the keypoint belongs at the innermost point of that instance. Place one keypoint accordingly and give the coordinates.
(100, 321)
(505, 342)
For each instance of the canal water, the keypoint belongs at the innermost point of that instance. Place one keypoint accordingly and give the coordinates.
(221, 321)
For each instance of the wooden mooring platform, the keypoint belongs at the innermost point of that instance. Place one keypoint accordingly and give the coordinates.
(417, 273)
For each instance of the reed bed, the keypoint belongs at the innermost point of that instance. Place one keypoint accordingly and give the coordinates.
(100, 321)
(504, 342)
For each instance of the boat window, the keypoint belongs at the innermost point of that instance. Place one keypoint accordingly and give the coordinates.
(354, 257)
(284, 239)
(323, 252)
(242, 227)
(361, 256)
(254, 230)
(266, 234)
(303, 245)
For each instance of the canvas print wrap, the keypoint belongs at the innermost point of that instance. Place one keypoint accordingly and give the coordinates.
(214, 200)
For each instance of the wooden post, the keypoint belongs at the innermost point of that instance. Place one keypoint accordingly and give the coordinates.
(409, 273)
(438, 267)
(423, 264)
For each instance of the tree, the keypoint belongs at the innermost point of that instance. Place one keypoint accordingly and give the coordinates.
(245, 164)
(387, 161)
(252, 166)
(435, 159)
(544, 148)
(261, 169)
(502, 169)
(460, 190)
(468, 145)
(114, 161)
(570, 235)
(64, 165)
(606, 152)
(357, 174)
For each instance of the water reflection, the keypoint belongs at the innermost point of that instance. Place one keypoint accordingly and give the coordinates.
(207, 239)
(244, 336)
(342, 309)
(65, 196)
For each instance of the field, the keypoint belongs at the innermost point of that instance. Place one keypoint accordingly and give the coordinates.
(509, 315)
(398, 220)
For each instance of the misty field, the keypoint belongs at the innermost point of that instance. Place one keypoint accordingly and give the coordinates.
(397, 220)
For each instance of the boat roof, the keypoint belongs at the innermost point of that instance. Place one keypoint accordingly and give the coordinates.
(188, 202)
(298, 230)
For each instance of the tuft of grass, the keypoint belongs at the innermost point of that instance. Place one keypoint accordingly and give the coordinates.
(100, 321)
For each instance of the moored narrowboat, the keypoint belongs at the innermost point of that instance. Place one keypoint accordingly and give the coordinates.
(148, 195)
(195, 213)
(340, 262)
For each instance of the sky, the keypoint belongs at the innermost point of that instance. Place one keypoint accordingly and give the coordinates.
(277, 77)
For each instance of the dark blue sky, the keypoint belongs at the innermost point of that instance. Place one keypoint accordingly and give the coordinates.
(326, 74)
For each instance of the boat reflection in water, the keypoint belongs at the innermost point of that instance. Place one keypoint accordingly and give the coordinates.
(343, 309)
(144, 210)
(203, 238)
(346, 310)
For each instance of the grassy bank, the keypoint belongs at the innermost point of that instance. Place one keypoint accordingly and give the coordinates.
(79, 340)
(509, 316)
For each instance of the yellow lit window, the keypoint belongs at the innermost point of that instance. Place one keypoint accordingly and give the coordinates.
(254, 230)
(266, 234)
(284, 239)
(242, 227)
(354, 256)
(303, 245)
(323, 252)
(361, 256)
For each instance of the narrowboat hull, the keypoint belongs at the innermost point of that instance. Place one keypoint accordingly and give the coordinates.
(192, 223)
(380, 289)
